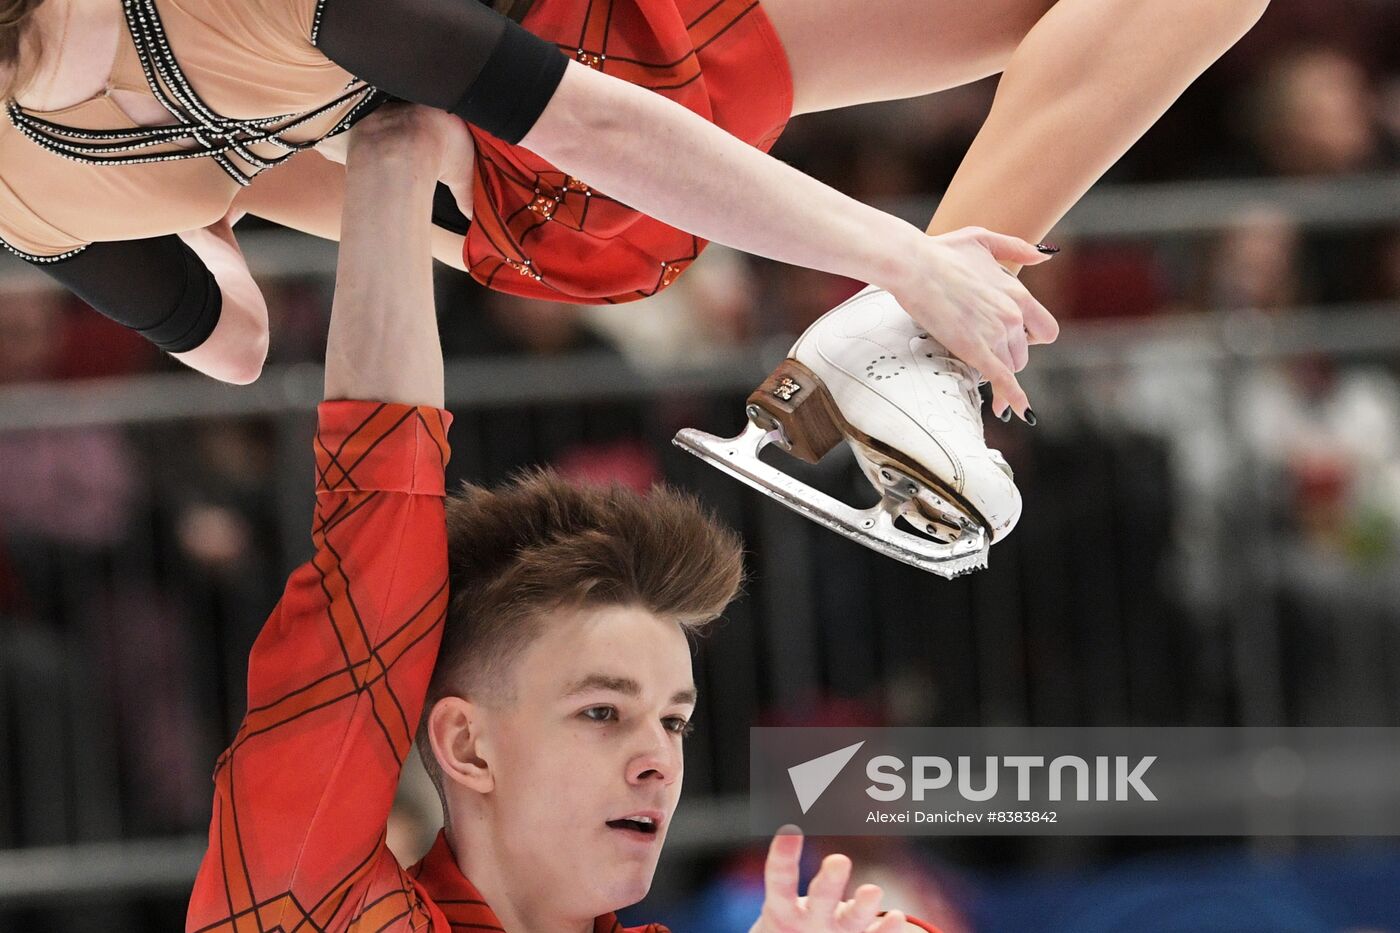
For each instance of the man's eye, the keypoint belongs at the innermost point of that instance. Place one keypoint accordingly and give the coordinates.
(607, 713)
(680, 726)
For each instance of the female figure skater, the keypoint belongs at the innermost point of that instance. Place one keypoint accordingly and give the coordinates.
(133, 126)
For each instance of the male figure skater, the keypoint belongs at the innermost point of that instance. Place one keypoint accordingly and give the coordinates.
(557, 668)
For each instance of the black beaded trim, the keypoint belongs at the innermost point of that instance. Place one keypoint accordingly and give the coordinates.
(41, 260)
(216, 136)
(316, 21)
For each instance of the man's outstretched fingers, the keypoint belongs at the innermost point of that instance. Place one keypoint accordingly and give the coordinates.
(859, 912)
(780, 875)
(829, 886)
(892, 922)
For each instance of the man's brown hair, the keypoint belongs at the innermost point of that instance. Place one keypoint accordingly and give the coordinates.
(540, 543)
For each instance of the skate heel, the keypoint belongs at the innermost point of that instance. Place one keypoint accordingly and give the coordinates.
(796, 403)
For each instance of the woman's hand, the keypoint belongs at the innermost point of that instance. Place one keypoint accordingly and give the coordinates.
(956, 288)
(823, 910)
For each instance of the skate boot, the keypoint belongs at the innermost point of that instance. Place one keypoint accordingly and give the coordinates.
(866, 374)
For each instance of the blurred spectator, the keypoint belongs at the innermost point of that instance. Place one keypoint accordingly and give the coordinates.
(1333, 437)
(1255, 264)
(513, 326)
(298, 313)
(69, 505)
(68, 487)
(602, 442)
(1313, 112)
(708, 312)
(1388, 267)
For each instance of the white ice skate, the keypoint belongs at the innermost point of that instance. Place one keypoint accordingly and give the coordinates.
(867, 374)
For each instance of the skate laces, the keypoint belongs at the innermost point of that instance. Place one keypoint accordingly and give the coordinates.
(957, 380)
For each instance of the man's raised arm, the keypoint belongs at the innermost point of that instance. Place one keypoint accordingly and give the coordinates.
(383, 341)
(337, 677)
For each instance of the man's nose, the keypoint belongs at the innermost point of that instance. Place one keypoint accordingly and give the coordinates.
(658, 757)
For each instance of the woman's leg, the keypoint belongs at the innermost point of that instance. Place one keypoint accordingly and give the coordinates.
(1082, 82)
(845, 52)
(1085, 83)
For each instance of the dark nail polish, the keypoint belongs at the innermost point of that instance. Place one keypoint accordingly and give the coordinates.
(1005, 414)
(1029, 417)
(1047, 248)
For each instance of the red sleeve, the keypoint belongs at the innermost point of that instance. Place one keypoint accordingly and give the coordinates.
(336, 682)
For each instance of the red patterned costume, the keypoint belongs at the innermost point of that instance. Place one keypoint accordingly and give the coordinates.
(539, 233)
(336, 682)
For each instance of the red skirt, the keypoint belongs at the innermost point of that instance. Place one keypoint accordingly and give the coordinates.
(538, 233)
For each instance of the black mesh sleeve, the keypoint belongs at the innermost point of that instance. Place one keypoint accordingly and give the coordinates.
(456, 55)
(158, 287)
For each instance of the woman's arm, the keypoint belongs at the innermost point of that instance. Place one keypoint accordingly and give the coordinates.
(660, 158)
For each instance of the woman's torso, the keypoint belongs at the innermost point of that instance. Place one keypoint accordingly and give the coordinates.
(244, 59)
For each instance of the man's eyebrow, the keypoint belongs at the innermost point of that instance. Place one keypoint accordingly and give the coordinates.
(623, 685)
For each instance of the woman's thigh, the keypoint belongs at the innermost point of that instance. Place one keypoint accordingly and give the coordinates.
(845, 52)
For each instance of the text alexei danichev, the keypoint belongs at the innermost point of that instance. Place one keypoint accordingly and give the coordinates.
(962, 816)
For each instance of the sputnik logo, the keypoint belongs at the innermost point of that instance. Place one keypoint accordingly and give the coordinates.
(811, 778)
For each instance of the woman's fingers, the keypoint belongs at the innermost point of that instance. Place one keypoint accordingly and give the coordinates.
(1006, 248)
(1040, 325)
(1006, 390)
(1017, 348)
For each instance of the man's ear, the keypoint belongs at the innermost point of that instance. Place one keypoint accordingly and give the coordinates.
(454, 730)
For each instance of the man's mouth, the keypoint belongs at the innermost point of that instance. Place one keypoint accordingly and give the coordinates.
(646, 824)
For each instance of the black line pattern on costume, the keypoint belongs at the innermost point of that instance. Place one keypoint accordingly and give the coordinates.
(342, 905)
(199, 132)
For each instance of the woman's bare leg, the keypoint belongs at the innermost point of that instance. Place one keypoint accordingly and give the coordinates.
(1083, 80)
(1085, 83)
(845, 52)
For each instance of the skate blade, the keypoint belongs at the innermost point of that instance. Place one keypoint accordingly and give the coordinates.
(873, 527)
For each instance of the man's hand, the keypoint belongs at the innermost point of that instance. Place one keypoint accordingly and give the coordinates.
(442, 133)
(823, 910)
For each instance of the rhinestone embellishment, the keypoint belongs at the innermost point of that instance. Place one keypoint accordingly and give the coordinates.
(213, 135)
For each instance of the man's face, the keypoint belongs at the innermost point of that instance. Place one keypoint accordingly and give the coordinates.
(591, 738)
